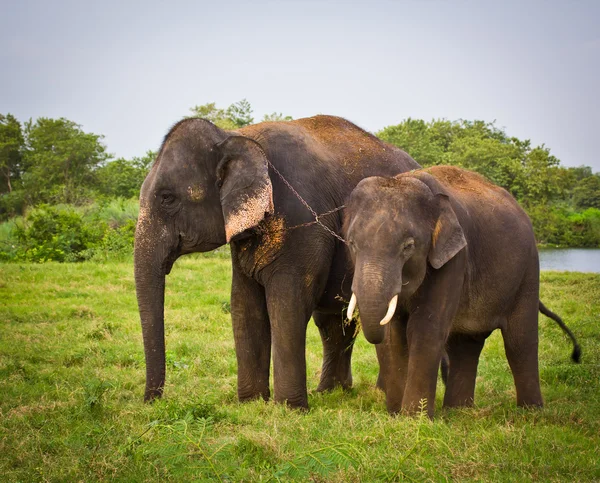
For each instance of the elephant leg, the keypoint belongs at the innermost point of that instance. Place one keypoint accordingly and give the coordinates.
(252, 336)
(463, 354)
(392, 355)
(289, 306)
(424, 356)
(521, 346)
(338, 342)
(427, 331)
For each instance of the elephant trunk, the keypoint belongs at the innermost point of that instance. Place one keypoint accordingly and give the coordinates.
(377, 297)
(149, 272)
(372, 311)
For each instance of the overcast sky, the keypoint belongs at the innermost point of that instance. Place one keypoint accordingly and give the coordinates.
(129, 70)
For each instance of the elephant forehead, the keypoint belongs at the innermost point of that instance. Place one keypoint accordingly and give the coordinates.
(384, 219)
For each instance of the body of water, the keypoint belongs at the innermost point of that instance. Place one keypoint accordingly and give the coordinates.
(571, 259)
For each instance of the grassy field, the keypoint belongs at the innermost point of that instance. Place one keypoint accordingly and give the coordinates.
(72, 380)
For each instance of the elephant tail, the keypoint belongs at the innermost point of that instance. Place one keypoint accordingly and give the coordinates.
(576, 355)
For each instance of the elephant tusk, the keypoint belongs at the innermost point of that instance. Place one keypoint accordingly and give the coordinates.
(391, 310)
(351, 307)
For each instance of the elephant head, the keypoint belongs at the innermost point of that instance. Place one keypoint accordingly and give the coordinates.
(206, 187)
(396, 228)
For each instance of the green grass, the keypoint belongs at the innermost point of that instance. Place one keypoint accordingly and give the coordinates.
(72, 380)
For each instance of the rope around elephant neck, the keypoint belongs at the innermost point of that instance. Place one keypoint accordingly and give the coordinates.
(317, 219)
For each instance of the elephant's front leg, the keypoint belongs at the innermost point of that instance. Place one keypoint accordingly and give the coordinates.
(425, 351)
(428, 328)
(252, 335)
(392, 355)
(290, 307)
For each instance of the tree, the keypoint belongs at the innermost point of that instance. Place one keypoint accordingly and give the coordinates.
(276, 116)
(476, 145)
(587, 192)
(532, 175)
(426, 142)
(541, 180)
(11, 145)
(212, 113)
(240, 113)
(235, 116)
(123, 177)
(580, 172)
(59, 161)
(484, 148)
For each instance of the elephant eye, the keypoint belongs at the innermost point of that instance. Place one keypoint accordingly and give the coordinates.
(409, 245)
(167, 198)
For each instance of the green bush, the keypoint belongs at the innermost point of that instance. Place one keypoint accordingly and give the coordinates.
(55, 233)
(105, 231)
(584, 228)
(549, 224)
(116, 243)
(115, 211)
(65, 233)
(11, 204)
(561, 226)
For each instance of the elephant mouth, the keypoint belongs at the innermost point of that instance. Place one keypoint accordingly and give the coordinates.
(169, 264)
(388, 316)
(173, 256)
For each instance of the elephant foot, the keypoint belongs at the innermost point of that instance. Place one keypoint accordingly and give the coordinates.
(253, 397)
(299, 402)
(330, 383)
(460, 392)
(152, 394)
(245, 394)
(464, 403)
(336, 373)
(533, 404)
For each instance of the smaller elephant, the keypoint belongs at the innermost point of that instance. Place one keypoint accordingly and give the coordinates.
(442, 258)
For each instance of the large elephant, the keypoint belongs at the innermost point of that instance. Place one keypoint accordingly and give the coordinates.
(253, 188)
(447, 258)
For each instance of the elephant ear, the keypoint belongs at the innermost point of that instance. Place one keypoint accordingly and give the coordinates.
(244, 185)
(448, 237)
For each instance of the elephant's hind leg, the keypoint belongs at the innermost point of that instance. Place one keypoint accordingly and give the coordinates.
(338, 340)
(521, 346)
(463, 353)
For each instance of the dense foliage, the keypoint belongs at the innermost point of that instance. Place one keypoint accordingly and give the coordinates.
(57, 179)
(65, 233)
(563, 203)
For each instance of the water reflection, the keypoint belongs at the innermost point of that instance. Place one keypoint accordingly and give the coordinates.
(571, 259)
